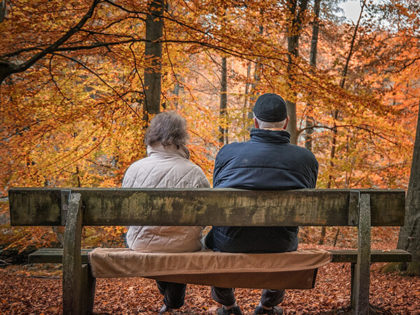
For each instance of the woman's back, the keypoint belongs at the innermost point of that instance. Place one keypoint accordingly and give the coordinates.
(165, 167)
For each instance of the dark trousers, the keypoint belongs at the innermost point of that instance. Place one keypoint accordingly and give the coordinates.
(226, 296)
(173, 293)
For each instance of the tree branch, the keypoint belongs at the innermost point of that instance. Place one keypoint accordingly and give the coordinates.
(360, 127)
(101, 79)
(6, 69)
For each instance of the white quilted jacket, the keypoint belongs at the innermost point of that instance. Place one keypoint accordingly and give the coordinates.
(164, 167)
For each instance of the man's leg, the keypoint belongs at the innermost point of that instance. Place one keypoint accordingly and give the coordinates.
(271, 298)
(173, 293)
(224, 296)
(269, 301)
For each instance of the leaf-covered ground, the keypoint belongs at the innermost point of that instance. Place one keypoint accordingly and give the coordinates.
(37, 289)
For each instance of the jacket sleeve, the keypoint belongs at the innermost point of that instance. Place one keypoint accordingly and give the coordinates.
(313, 172)
(200, 179)
(219, 164)
(128, 179)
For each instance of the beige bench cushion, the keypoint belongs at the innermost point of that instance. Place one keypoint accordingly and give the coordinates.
(293, 270)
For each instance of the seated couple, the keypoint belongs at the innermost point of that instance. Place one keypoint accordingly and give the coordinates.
(266, 161)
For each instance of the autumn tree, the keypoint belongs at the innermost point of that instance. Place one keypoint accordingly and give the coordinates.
(2, 10)
(78, 76)
(223, 127)
(409, 238)
(153, 56)
(296, 12)
(312, 62)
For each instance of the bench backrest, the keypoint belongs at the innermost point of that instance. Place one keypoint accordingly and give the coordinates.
(316, 207)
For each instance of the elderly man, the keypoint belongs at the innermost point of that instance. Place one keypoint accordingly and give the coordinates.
(267, 161)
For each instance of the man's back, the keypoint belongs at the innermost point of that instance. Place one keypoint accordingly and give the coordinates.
(268, 161)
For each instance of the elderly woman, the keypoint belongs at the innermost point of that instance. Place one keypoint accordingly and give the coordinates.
(167, 165)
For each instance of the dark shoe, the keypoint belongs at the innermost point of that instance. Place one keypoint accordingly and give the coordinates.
(165, 309)
(276, 310)
(234, 310)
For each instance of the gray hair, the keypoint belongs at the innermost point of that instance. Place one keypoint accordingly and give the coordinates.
(167, 128)
(270, 125)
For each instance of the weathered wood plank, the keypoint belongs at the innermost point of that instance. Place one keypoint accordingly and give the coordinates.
(350, 255)
(206, 207)
(361, 280)
(217, 207)
(387, 206)
(55, 255)
(35, 206)
(72, 261)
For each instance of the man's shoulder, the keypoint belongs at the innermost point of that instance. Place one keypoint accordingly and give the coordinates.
(234, 145)
(303, 154)
(300, 149)
(231, 148)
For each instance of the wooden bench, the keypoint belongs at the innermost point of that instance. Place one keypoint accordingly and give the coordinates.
(78, 207)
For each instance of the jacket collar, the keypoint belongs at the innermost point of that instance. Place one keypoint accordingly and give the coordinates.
(168, 150)
(272, 136)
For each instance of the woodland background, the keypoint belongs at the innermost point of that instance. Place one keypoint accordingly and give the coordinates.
(80, 80)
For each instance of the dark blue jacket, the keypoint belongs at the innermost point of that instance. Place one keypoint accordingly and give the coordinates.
(268, 161)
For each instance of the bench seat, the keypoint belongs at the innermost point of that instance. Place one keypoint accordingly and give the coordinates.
(55, 255)
(293, 270)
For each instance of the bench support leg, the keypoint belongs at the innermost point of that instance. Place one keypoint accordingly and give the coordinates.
(352, 267)
(88, 290)
(361, 274)
(72, 259)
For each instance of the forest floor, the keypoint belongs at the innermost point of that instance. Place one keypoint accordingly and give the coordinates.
(36, 289)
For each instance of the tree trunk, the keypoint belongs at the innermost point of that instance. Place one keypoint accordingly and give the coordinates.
(409, 238)
(176, 93)
(312, 62)
(342, 84)
(293, 34)
(177, 89)
(246, 100)
(256, 79)
(2, 10)
(336, 113)
(223, 129)
(153, 57)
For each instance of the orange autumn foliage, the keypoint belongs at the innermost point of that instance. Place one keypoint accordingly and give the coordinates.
(74, 117)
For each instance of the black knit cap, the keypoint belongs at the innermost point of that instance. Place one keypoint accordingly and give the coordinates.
(270, 107)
